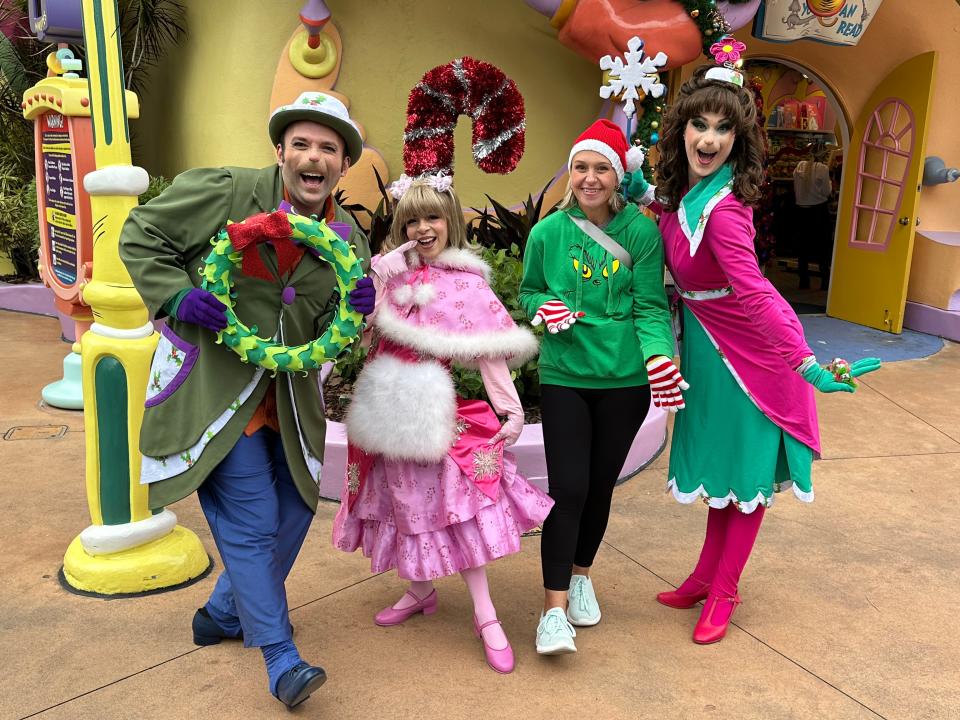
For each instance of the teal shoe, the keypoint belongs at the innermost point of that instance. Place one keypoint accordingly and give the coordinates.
(582, 607)
(554, 634)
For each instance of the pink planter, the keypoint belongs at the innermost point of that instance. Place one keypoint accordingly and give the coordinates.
(528, 450)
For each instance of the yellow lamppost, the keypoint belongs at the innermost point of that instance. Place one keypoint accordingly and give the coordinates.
(128, 548)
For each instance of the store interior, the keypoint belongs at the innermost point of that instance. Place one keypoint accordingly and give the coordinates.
(796, 218)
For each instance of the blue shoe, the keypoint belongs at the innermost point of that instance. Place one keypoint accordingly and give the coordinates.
(582, 607)
(296, 684)
(554, 634)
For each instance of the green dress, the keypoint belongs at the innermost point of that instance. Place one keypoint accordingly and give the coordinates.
(724, 448)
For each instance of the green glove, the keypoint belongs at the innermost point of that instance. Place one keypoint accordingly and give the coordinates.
(837, 376)
(635, 188)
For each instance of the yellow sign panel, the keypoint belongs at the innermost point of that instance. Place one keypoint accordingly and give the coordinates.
(62, 148)
(61, 219)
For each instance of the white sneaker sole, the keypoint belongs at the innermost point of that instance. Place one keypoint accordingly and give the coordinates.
(584, 622)
(557, 649)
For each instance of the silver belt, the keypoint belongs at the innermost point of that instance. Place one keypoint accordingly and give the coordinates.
(706, 294)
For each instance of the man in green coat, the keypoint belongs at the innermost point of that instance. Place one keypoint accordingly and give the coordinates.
(251, 445)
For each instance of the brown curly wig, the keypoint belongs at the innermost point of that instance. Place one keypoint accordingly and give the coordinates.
(698, 96)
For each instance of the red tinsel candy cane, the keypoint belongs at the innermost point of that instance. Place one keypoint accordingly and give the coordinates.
(464, 87)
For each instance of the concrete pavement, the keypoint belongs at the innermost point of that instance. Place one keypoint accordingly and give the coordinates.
(850, 604)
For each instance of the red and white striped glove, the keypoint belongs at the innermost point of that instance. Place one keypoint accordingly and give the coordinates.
(556, 315)
(666, 382)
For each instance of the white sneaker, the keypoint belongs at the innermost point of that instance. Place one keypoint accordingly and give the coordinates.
(582, 607)
(554, 634)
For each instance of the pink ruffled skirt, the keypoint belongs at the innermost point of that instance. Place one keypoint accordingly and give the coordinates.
(430, 520)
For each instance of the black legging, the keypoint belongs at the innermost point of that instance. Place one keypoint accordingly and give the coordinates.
(587, 434)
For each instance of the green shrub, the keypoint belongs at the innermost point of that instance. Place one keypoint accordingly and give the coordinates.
(157, 185)
(19, 224)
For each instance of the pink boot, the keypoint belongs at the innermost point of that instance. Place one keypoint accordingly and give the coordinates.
(500, 660)
(390, 616)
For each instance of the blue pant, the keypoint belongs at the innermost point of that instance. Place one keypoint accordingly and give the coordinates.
(259, 522)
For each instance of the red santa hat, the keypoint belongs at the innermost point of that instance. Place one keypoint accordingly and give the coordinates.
(607, 138)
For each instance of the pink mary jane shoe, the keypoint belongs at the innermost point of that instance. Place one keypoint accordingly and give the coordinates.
(500, 660)
(706, 632)
(682, 601)
(389, 616)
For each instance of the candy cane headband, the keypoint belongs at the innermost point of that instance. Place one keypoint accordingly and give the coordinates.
(462, 87)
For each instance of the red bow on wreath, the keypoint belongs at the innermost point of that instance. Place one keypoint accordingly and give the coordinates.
(273, 228)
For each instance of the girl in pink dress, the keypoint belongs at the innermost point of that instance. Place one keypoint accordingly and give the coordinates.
(749, 429)
(430, 490)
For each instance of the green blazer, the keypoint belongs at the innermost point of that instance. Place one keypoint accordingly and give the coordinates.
(164, 245)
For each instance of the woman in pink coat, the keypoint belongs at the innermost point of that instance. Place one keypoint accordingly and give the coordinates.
(749, 429)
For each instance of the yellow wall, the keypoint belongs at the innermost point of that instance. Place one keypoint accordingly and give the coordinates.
(208, 104)
(900, 30)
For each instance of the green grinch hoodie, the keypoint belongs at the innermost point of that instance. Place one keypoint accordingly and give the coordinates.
(626, 317)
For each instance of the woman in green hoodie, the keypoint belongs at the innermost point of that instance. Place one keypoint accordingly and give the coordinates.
(593, 274)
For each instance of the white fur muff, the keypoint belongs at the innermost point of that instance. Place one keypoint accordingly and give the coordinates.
(403, 410)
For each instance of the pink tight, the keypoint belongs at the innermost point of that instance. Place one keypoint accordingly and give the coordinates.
(476, 581)
(726, 549)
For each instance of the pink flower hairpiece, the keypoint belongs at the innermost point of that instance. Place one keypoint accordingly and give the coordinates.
(441, 182)
(727, 52)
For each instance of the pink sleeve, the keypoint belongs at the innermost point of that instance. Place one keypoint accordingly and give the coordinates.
(500, 388)
(731, 233)
(382, 268)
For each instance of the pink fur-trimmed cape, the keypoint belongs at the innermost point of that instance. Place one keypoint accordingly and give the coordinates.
(404, 404)
(447, 310)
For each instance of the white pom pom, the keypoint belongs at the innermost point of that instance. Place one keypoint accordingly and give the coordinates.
(403, 295)
(634, 158)
(423, 295)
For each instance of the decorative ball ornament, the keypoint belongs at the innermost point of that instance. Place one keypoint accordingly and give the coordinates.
(322, 242)
(708, 19)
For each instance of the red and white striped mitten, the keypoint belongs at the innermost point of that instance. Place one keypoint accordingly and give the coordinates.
(666, 382)
(556, 316)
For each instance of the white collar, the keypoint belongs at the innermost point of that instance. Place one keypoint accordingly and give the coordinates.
(454, 259)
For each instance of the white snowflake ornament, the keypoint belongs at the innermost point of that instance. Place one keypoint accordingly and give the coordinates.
(640, 71)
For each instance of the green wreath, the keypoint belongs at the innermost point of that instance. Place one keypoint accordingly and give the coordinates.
(342, 331)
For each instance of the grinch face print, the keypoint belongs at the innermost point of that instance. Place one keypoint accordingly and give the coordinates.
(592, 268)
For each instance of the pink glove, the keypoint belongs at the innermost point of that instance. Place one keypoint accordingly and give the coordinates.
(556, 315)
(666, 382)
(509, 431)
(393, 263)
(503, 397)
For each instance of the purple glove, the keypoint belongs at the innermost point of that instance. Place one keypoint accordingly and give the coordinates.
(201, 308)
(363, 297)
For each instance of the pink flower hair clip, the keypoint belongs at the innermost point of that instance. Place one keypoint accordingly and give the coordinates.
(726, 52)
